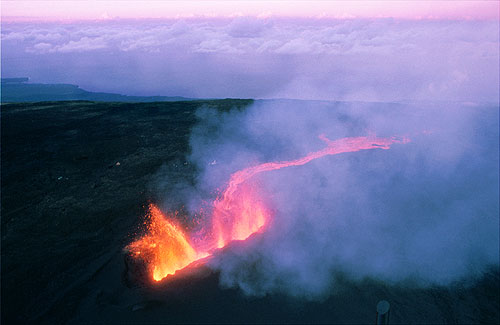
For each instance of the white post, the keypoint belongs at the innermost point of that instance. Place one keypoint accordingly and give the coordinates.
(383, 308)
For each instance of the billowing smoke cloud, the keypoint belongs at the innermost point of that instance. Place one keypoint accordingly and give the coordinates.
(358, 59)
(425, 212)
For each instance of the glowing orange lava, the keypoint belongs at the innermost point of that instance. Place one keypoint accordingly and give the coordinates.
(237, 214)
(165, 248)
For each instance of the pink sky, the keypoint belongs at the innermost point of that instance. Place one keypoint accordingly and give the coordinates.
(83, 10)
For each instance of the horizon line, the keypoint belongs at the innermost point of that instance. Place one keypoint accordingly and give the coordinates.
(30, 19)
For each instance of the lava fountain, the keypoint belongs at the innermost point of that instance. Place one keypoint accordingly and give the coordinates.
(165, 247)
(237, 213)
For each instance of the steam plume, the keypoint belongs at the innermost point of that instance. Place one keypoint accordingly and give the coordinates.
(425, 212)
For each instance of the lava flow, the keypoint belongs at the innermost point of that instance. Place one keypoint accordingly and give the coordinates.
(237, 214)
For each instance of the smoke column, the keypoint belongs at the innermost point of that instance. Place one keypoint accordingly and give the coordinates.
(422, 213)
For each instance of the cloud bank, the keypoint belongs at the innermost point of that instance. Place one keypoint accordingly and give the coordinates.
(358, 59)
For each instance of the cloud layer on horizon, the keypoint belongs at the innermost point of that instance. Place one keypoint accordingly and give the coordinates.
(383, 60)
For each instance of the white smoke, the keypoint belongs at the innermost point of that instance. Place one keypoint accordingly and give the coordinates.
(424, 213)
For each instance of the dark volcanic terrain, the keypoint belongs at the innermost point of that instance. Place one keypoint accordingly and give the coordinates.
(76, 178)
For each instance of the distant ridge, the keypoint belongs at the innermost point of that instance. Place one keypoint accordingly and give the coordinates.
(16, 90)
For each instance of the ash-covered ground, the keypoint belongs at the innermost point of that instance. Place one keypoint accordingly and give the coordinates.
(76, 177)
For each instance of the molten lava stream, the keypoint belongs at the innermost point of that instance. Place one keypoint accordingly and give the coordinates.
(237, 214)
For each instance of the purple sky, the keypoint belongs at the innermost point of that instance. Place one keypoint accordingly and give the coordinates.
(70, 10)
(308, 58)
